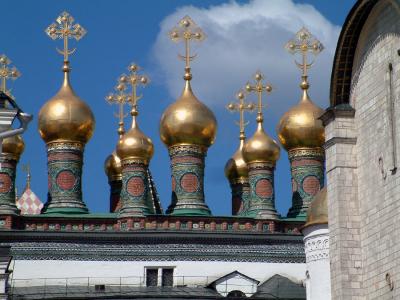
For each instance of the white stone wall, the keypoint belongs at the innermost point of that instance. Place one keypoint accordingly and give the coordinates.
(316, 242)
(343, 210)
(378, 188)
(31, 272)
(363, 192)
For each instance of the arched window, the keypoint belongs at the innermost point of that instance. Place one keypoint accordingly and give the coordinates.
(236, 294)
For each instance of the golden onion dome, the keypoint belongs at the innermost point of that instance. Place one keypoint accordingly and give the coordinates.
(317, 213)
(300, 127)
(66, 116)
(188, 121)
(236, 167)
(112, 167)
(260, 147)
(13, 145)
(135, 145)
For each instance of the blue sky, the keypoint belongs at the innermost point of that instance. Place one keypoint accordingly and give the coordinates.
(120, 32)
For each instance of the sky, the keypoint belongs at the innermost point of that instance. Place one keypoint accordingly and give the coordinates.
(242, 37)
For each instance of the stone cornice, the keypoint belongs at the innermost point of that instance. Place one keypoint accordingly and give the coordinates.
(339, 140)
(159, 236)
(111, 223)
(341, 111)
(157, 246)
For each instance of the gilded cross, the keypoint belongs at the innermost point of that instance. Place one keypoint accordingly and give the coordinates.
(258, 88)
(64, 28)
(120, 98)
(27, 168)
(304, 43)
(241, 107)
(7, 73)
(187, 31)
(134, 79)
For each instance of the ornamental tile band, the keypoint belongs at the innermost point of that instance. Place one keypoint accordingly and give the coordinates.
(187, 166)
(307, 169)
(65, 178)
(7, 185)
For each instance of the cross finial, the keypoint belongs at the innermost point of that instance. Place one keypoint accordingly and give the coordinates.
(27, 168)
(187, 31)
(241, 107)
(120, 98)
(7, 73)
(259, 88)
(134, 80)
(304, 43)
(64, 28)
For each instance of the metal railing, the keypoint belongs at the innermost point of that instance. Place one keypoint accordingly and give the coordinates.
(42, 288)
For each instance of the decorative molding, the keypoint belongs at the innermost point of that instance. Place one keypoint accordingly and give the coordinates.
(301, 153)
(65, 145)
(316, 247)
(197, 149)
(289, 252)
(339, 111)
(339, 140)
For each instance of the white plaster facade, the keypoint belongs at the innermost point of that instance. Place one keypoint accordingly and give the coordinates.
(4, 273)
(318, 280)
(190, 273)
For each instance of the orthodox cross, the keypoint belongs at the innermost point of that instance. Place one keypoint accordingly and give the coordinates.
(27, 168)
(304, 43)
(187, 31)
(134, 80)
(120, 98)
(259, 88)
(64, 28)
(241, 107)
(7, 73)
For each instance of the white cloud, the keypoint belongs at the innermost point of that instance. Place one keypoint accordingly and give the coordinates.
(243, 38)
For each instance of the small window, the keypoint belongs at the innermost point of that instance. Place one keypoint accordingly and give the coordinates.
(167, 277)
(151, 277)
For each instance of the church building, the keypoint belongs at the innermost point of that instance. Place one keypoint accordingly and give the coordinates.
(337, 241)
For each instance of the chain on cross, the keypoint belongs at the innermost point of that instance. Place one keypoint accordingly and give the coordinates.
(241, 107)
(258, 88)
(134, 80)
(7, 73)
(187, 31)
(304, 43)
(64, 28)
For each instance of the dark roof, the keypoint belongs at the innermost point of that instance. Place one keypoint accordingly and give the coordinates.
(230, 275)
(154, 194)
(112, 292)
(343, 63)
(5, 255)
(280, 287)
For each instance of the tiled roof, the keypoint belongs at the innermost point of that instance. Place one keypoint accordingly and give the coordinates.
(29, 203)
